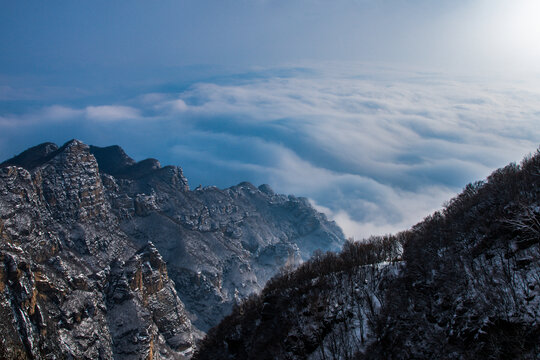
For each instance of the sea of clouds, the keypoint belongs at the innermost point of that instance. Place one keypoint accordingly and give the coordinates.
(376, 149)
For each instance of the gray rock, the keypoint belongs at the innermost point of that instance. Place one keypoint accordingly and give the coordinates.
(105, 257)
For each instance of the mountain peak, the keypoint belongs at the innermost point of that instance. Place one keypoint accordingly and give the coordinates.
(40, 154)
(32, 157)
(74, 142)
(111, 159)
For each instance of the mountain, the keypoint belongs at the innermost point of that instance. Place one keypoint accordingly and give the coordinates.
(105, 257)
(462, 284)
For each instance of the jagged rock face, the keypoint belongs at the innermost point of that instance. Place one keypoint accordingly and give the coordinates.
(220, 245)
(72, 283)
(146, 314)
(59, 240)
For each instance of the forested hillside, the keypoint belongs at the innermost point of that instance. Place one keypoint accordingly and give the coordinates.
(463, 283)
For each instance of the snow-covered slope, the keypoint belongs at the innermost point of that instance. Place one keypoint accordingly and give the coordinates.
(462, 284)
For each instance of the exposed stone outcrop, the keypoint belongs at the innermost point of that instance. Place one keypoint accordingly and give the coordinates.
(105, 257)
(145, 309)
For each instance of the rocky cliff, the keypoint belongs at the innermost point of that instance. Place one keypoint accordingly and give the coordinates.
(105, 257)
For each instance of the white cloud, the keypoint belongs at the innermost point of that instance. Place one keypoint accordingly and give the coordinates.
(378, 149)
(58, 113)
(49, 114)
(111, 112)
(379, 153)
(176, 105)
(359, 204)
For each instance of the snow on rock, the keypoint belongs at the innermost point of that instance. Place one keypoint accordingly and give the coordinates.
(105, 257)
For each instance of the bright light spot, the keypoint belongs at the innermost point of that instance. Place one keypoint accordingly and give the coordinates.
(523, 23)
(518, 30)
(498, 34)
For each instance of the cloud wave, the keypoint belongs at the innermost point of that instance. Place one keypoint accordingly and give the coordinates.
(375, 149)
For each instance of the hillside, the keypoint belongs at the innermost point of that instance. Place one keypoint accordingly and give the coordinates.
(105, 257)
(463, 283)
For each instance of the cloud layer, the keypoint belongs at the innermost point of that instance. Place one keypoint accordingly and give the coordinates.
(375, 149)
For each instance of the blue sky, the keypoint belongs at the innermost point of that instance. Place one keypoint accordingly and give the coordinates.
(378, 111)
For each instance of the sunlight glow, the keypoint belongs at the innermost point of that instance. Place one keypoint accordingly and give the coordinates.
(519, 29)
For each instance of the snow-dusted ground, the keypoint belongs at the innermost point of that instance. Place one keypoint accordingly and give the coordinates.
(355, 311)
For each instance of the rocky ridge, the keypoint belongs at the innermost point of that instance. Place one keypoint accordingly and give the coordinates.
(105, 257)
